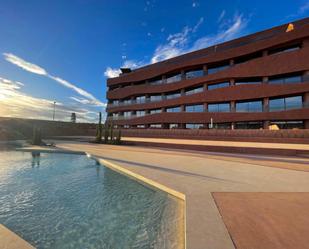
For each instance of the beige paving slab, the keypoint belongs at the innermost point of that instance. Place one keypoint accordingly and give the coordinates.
(197, 175)
(10, 240)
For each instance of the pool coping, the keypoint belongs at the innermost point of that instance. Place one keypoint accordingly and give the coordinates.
(11, 240)
(120, 170)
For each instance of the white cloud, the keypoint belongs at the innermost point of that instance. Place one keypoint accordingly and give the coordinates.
(221, 16)
(304, 8)
(112, 72)
(232, 31)
(181, 42)
(15, 103)
(30, 67)
(115, 72)
(24, 64)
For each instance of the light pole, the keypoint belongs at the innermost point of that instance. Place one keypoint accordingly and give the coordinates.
(54, 110)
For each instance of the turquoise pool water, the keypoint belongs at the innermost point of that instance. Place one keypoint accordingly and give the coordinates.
(70, 201)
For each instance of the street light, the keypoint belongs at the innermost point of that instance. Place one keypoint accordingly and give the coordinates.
(54, 110)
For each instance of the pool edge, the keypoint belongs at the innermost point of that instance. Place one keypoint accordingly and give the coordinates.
(149, 182)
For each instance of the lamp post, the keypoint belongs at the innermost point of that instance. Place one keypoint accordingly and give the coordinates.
(54, 110)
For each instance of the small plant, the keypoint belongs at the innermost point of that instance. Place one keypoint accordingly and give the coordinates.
(37, 136)
(99, 130)
(118, 137)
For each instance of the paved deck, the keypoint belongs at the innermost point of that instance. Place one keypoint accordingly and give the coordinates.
(266, 220)
(198, 175)
(10, 240)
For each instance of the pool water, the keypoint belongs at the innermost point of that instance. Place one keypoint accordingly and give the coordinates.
(71, 201)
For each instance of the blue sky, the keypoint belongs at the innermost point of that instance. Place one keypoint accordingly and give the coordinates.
(63, 50)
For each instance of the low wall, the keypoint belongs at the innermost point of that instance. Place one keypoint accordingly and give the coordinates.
(16, 128)
(281, 136)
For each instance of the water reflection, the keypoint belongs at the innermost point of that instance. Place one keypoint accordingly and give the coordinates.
(36, 156)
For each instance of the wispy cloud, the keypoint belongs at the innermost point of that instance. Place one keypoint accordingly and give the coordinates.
(182, 42)
(302, 9)
(30, 67)
(15, 103)
(114, 72)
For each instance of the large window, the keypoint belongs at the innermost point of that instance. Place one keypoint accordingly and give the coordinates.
(154, 98)
(140, 99)
(140, 113)
(173, 126)
(155, 111)
(127, 114)
(194, 73)
(280, 104)
(248, 81)
(194, 90)
(173, 95)
(173, 109)
(155, 126)
(284, 49)
(288, 124)
(127, 102)
(245, 58)
(249, 125)
(249, 106)
(218, 85)
(194, 108)
(155, 81)
(173, 78)
(220, 126)
(219, 107)
(296, 78)
(194, 126)
(215, 69)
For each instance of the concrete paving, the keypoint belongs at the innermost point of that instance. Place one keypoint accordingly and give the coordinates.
(198, 175)
(10, 240)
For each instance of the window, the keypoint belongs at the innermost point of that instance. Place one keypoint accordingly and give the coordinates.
(215, 69)
(126, 126)
(246, 58)
(218, 85)
(155, 126)
(194, 108)
(284, 49)
(287, 103)
(140, 126)
(173, 78)
(140, 113)
(127, 102)
(195, 90)
(173, 95)
(249, 106)
(140, 99)
(297, 78)
(155, 98)
(249, 125)
(194, 126)
(173, 126)
(194, 73)
(115, 102)
(115, 115)
(155, 111)
(288, 124)
(127, 114)
(221, 126)
(173, 109)
(248, 81)
(220, 107)
(155, 81)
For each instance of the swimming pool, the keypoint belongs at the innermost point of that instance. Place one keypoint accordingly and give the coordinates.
(70, 201)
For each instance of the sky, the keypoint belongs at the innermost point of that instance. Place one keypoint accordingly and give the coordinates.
(63, 51)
